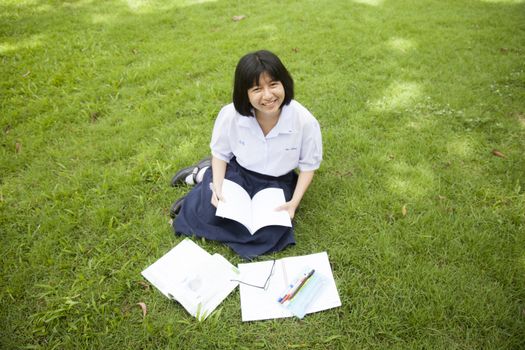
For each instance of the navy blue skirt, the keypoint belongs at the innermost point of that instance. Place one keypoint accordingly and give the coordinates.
(197, 215)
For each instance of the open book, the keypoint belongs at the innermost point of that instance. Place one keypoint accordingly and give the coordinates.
(198, 280)
(255, 212)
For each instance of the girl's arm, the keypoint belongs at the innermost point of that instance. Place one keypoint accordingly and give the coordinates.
(218, 167)
(304, 180)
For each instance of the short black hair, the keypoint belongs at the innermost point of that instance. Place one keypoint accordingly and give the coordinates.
(248, 72)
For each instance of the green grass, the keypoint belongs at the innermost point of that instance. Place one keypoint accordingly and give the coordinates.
(102, 101)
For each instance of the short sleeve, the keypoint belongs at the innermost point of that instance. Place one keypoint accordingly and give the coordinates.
(220, 145)
(311, 147)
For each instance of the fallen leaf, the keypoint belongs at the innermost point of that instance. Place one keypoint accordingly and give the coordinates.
(498, 153)
(144, 308)
(404, 210)
(345, 174)
(143, 285)
(238, 18)
(18, 147)
(295, 50)
(506, 50)
(94, 116)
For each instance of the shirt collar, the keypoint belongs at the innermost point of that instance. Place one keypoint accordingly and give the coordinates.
(245, 121)
(285, 125)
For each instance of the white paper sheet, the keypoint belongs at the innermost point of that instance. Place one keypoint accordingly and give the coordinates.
(259, 304)
(197, 280)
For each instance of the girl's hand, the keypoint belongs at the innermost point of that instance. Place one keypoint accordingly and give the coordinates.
(304, 180)
(290, 207)
(216, 196)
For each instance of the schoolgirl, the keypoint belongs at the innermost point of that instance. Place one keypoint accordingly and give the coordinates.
(263, 139)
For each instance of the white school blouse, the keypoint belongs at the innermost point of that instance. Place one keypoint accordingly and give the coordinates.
(294, 142)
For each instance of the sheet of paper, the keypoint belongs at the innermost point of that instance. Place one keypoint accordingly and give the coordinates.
(197, 280)
(163, 273)
(259, 304)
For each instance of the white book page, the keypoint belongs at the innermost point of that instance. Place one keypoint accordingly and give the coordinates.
(236, 204)
(220, 275)
(264, 204)
(209, 283)
(190, 275)
(167, 271)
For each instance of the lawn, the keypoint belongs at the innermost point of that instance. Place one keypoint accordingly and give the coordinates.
(419, 202)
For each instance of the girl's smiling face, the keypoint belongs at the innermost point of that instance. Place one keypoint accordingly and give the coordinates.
(267, 96)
